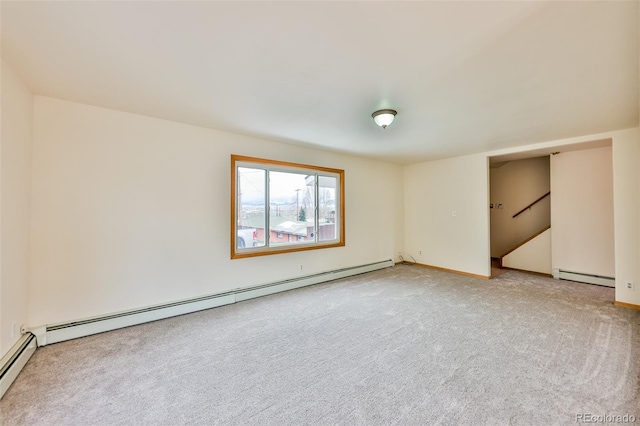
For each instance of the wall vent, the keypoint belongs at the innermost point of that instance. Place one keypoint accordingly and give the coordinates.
(580, 277)
(15, 360)
(71, 330)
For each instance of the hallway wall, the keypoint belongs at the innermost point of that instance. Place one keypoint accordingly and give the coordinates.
(582, 238)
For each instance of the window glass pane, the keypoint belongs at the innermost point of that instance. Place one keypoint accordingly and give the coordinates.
(251, 208)
(327, 208)
(292, 215)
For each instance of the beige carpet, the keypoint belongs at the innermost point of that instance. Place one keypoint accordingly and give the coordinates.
(405, 345)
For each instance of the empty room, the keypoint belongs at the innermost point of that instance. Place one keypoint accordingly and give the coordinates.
(319, 212)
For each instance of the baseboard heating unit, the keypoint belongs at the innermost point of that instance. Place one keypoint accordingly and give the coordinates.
(60, 332)
(562, 274)
(13, 362)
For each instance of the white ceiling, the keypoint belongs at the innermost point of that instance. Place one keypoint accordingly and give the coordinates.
(465, 77)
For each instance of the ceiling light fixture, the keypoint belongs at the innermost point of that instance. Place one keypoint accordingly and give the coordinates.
(384, 117)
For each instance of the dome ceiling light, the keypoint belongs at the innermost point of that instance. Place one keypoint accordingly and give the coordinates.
(384, 117)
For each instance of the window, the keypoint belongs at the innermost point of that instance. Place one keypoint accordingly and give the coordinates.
(280, 207)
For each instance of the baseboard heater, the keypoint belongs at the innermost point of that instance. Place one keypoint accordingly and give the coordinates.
(60, 332)
(13, 362)
(562, 274)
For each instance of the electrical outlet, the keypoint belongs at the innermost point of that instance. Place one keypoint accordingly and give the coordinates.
(420, 252)
(301, 267)
(630, 285)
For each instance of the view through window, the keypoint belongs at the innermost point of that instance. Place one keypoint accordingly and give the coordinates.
(281, 207)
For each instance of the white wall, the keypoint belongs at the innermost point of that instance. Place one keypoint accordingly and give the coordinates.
(433, 191)
(15, 194)
(626, 200)
(131, 211)
(626, 203)
(582, 214)
(515, 185)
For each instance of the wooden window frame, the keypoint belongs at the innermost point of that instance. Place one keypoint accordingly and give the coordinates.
(274, 165)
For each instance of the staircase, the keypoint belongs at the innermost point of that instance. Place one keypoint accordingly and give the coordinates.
(532, 254)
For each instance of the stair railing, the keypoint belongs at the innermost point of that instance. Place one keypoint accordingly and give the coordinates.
(532, 204)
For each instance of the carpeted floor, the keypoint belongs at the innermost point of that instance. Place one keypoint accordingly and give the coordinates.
(405, 345)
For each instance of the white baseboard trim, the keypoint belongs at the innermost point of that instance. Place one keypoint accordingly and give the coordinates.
(14, 361)
(66, 331)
